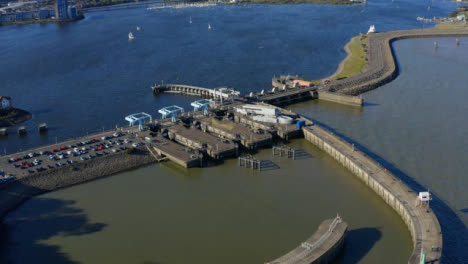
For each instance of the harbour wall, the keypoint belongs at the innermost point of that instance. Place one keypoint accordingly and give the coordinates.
(421, 222)
(340, 98)
(381, 66)
(15, 193)
(322, 247)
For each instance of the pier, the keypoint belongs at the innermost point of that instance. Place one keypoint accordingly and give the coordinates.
(422, 223)
(322, 247)
(222, 93)
(381, 65)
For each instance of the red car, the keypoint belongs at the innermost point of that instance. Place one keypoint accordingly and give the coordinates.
(54, 150)
(63, 148)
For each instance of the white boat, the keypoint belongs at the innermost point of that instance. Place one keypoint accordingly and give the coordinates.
(371, 29)
(138, 28)
(209, 26)
(130, 36)
(190, 20)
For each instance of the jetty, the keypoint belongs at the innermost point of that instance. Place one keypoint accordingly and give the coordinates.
(381, 66)
(222, 92)
(322, 247)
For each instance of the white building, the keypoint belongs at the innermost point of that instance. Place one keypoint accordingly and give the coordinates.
(264, 113)
(5, 102)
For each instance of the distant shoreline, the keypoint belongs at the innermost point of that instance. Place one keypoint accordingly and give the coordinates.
(284, 2)
(14, 117)
(42, 21)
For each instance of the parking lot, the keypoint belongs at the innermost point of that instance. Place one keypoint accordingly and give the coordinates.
(65, 154)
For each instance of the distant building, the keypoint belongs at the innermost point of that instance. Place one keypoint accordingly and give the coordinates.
(43, 14)
(72, 12)
(24, 15)
(61, 9)
(5, 102)
(461, 17)
(8, 17)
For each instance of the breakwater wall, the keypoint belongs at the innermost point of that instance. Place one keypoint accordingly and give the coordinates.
(15, 193)
(322, 247)
(340, 98)
(421, 221)
(381, 66)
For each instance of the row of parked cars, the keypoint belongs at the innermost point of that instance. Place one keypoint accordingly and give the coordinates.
(61, 156)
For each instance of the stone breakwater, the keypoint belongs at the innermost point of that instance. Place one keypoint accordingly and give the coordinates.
(381, 66)
(15, 193)
(421, 221)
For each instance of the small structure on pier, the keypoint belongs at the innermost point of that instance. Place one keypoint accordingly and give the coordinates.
(203, 104)
(171, 111)
(139, 118)
(423, 198)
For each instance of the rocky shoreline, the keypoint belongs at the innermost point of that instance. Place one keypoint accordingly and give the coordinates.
(19, 116)
(15, 193)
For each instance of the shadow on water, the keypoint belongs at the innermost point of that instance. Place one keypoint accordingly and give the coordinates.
(455, 233)
(358, 243)
(41, 219)
(367, 104)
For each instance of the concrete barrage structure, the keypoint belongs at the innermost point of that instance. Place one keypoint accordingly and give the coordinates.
(321, 247)
(422, 222)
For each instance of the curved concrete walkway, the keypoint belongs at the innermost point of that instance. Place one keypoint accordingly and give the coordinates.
(381, 67)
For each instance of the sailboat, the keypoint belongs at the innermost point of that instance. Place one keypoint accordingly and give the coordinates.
(209, 26)
(190, 20)
(130, 36)
(138, 28)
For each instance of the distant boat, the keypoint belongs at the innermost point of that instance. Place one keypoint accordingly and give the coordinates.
(209, 26)
(371, 29)
(138, 28)
(190, 20)
(130, 36)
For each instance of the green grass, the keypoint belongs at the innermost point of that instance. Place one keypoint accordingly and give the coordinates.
(357, 61)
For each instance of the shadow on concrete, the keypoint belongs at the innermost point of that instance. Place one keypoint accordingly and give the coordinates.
(358, 243)
(455, 233)
(40, 219)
